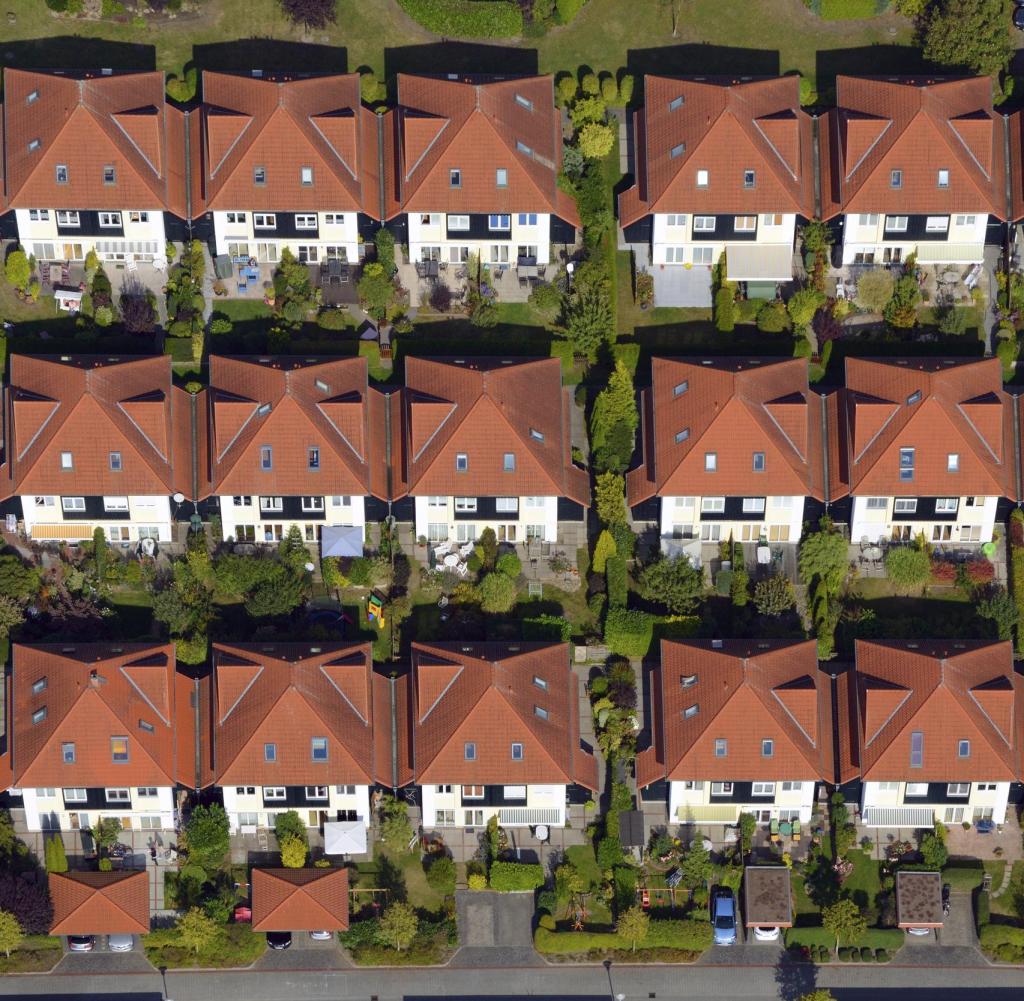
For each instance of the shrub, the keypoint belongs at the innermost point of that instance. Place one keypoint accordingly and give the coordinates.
(441, 874)
(609, 852)
(546, 298)
(901, 310)
(332, 319)
(907, 567)
(1006, 352)
(595, 140)
(674, 582)
(497, 593)
(567, 88)
(566, 10)
(982, 908)
(725, 310)
(293, 853)
(803, 305)
(993, 936)
(590, 84)
(441, 298)
(587, 109)
(618, 588)
(466, 18)
(874, 289)
(360, 572)
(603, 548)
(772, 317)
(289, 825)
(477, 881)
(626, 88)
(609, 89)
(509, 564)
(103, 316)
(384, 242)
(774, 595)
(509, 876)
(628, 633)
(17, 269)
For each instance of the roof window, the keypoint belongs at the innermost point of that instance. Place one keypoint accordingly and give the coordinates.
(524, 102)
(676, 103)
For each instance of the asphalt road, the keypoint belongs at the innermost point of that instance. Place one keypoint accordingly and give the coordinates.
(569, 983)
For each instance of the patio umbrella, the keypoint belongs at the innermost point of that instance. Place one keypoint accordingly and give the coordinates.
(345, 837)
(341, 540)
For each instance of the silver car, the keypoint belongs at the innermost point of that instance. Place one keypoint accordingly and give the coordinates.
(120, 943)
(81, 943)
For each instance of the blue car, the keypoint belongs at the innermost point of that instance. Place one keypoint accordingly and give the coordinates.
(723, 917)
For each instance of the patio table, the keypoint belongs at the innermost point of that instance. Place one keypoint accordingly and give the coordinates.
(873, 553)
(433, 269)
(764, 554)
(451, 559)
(785, 828)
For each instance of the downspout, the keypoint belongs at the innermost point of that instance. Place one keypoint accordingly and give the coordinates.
(381, 175)
(394, 735)
(824, 452)
(837, 770)
(816, 159)
(1016, 448)
(198, 737)
(188, 173)
(193, 413)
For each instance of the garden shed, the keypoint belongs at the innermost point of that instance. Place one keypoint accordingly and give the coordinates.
(767, 897)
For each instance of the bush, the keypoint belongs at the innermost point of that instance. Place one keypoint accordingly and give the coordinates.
(546, 298)
(595, 140)
(772, 318)
(566, 10)
(289, 825)
(725, 310)
(993, 936)
(360, 572)
(510, 876)
(907, 567)
(441, 874)
(803, 305)
(626, 89)
(293, 853)
(555, 628)
(689, 936)
(603, 548)
(332, 319)
(497, 593)
(874, 289)
(628, 633)
(509, 564)
(982, 908)
(618, 585)
(466, 18)
(1006, 352)
(477, 881)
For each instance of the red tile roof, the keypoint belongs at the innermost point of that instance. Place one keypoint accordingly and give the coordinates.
(486, 694)
(93, 692)
(947, 690)
(91, 406)
(282, 125)
(86, 123)
(289, 404)
(286, 694)
(744, 691)
(726, 127)
(732, 407)
(937, 406)
(917, 127)
(476, 127)
(485, 407)
(100, 903)
(299, 899)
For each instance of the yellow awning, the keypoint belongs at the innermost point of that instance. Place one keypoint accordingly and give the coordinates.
(712, 813)
(950, 253)
(65, 531)
(759, 262)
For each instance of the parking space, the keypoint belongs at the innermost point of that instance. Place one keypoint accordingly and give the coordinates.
(305, 953)
(103, 962)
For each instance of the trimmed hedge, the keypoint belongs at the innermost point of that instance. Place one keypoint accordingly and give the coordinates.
(618, 582)
(1017, 571)
(466, 18)
(692, 936)
(874, 938)
(628, 633)
(547, 627)
(510, 876)
(963, 877)
(993, 936)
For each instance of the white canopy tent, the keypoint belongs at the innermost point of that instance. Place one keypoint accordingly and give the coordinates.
(345, 837)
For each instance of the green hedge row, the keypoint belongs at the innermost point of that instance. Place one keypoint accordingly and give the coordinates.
(628, 633)
(467, 18)
(1017, 571)
(509, 876)
(692, 936)
(618, 582)
(553, 628)
(873, 938)
(992, 936)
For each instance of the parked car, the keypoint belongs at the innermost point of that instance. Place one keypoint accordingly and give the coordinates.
(279, 939)
(81, 943)
(919, 932)
(321, 936)
(120, 943)
(767, 934)
(1018, 18)
(723, 917)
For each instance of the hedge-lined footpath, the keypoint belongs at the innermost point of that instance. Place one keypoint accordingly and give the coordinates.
(666, 941)
(467, 18)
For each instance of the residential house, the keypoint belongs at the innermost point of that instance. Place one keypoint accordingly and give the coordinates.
(291, 442)
(475, 164)
(926, 446)
(914, 166)
(721, 166)
(94, 160)
(98, 442)
(288, 161)
(495, 733)
(731, 447)
(298, 726)
(486, 444)
(100, 731)
(739, 726)
(935, 725)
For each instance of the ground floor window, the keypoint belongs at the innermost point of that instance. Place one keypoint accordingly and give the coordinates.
(675, 255)
(238, 250)
(248, 819)
(534, 533)
(446, 818)
(751, 533)
(789, 815)
(465, 533)
(336, 253)
(953, 815)
(458, 255)
(970, 533)
(148, 532)
(437, 531)
(117, 533)
(901, 533)
(983, 813)
(273, 533)
(266, 252)
(864, 257)
(245, 533)
(430, 253)
(474, 818)
(308, 253)
(682, 531)
(710, 533)
(778, 533)
(150, 823)
(507, 533)
(942, 533)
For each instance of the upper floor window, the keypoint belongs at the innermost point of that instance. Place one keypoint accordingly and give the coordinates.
(749, 177)
(906, 463)
(67, 460)
(270, 752)
(523, 148)
(527, 218)
(501, 177)
(721, 747)
(455, 177)
(264, 220)
(305, 221)
(458, 223)
(767, 747)
(703, 224)
(703, 178)
(943, 179)
(306, 176)
(953, 462)
(517, 752)
(524, 102)
(235, 217)
(469, 751)
(109, 175)
(896, 179)
(110, 220)
(917, 749)
(461, 462)
(65, 218)
(62, 173)
(759, 462)
(508, 464)
(67, 752)
(710, 462)
(259, 175)
(118, 748)
(319, 748)
(678, 150)
(499, 222)
(313, 458)
(266, 457)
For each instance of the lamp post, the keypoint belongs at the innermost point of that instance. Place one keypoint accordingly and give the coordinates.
(611, 987)
(163, 981)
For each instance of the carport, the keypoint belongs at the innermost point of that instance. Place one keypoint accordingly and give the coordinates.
(299, 900)
(767, 897)
(918, 900)
(99, 903)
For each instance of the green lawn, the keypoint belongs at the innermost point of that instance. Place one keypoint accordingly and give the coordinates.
(863, 884)
(583, 859)
(402, 874)
(242, 310)
(1009, 903)
(36, 954)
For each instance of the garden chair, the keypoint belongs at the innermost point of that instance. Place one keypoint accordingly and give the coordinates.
(774, 830)
(442, 550)
(796, 831)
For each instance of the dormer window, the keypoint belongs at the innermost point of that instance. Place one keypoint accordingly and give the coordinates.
(749, 177)
(259, 176)
(455, 177)
(895, 178)
(943, 177)
(306, 176)
(32, 97)
(109, 174)
(702, 178)
(461, 462)
(759, 462)
(39, 715)
(61, 169)
(33, 145)
(523, 148)
(536, 435)
(678, 150)
(681, 436)
(687, 680)
(469, 751)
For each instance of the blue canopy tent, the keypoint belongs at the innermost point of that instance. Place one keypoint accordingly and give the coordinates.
(341, 540)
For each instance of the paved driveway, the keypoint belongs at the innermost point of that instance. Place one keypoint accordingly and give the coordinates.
(305, 954)
(958, 926)
(496, 929)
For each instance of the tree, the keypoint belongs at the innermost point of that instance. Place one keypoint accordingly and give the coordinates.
(1000, 607)
(823, 558)
(497, 593)
(844, 920)
(16, 579)
(398, 926)
(633, 926)
(803, 305)
(569, 881)
(395, 830)
(196, 930)
(289, 825)
(817, 236)
(293, 853)
(748, 825)
(106, 832)
(603, 548)
(674, 582)
(907, 567)
(615, 412)
(376, 291)
(17, 269)
(901, 309)
(725, 309)
(772, 318)
(588, 320)
(488, 548)
(441, 873)
(934, 853)
(54, 854)
(587, 109)
(99, 552)
(11, 615)
(595, 140)
(567, 88)
(610, 499)
(589, 84)
(11, 934)
(774, 595)
(969, 34)
(695, 867)
(874, 289)
(311, 13)
(207, 836)
(28, 901)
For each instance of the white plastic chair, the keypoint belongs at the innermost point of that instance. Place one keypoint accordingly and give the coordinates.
(442, 550)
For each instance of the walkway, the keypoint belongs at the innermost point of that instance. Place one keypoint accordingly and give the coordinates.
(495, 928)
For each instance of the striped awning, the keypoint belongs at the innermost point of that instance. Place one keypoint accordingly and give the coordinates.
(899, 816)
(65, 531)
(712, 813)
(751, 262)
(952, 253)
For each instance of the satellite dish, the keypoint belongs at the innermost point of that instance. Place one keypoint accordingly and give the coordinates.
(310, 567)
(177, 498)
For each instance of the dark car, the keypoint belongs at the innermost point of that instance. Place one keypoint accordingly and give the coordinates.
(723, 916)
(279, 939)
(1018, 18)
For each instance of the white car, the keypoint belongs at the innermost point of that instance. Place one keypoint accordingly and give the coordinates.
(120, 943)
(920, 932)
(321, 936)
(80, 943)
(766, 934)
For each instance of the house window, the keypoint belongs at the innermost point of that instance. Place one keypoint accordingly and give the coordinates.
(508, 463)
(748, 178)
(759, 460)
(527, 218)
(306, 176)
(271, 503)
(517, 752)
(762, 789)
(465, 503)
(745, 223)
(943, 177)
(266, 457)
(469, 750)
(721, 747)
(710, 462)
(455, 177)
(675, 255)
(115, 462)
(536, 435)
(965, 220)
(702, 178)
(119, 749)
(274, 792)
(688, 680)
(270, 753)
(680, 388)
(316, 792)
(115, 503)
(264, 220)
(506, 505)
(753, 505)
(259, 175)
(524, 102)
(676, 151)
(906, 464)
(771, 221)
(334, 218)
(917, 749)
(312, 503)
(67, 752)
(61, 169)
(39, 685)
(76, 795)
(681, 436)
(146, 727)
(313, 458)
(39, 215)
(67, 460)
(501, 177)
(963, 748)
(896, 179)
(721, 788)
(690, 711)
(792, 786)
(704, 224)
(896, 223)
(458, 222)
(319, 748)
(674, 219)
(461, 462)
(767, 747)
(523, 148)
(147, 792)
(109, 175)
(305, 222)
(499, 222)
(235, 217)
(540, 712)
(958, 789)
(712, 505)
(472, 792)
(917, 789)
(936, 224)
(953, 462)
(875, 503)
(72, 503)
(904, 505)
(118, 795)
(946, 505)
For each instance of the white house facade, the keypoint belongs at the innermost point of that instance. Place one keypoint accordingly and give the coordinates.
(922, 804)
(137, 808)
(256, 518)
(456, 805)
(940, 519)
(880, 238)
(714, 519)
(723, 802)
(250, 807)
(463, 519)
(52, 518)
(52, 234)
(500, 239)
(310, 236)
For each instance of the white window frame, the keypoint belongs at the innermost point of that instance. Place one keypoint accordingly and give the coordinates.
(67, 217)
(317, 793)
(904, 505)
(753, 505)
(72, 503)
(277, 793)
(506, 505)
(712, 505)
(896, 223)
(916, 789)
(236, 218)
(274, 505)
(499, 222)
(762, 789)
(703, 255)
(115, 503)
(675, 219)
(110, 220)
(527, 218)
(876, 503)
(704, 223)
(118, 795)
(965, 220)
(947, 505)
(465, 504)
(306, 176)
(305, 220)
(958, 789)
(264, 220)
(710, 462)
(936, 224)
(721, 788)
(458, 223)
(744, 224)
(312, 503)
(76, 795)
(703, 178)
